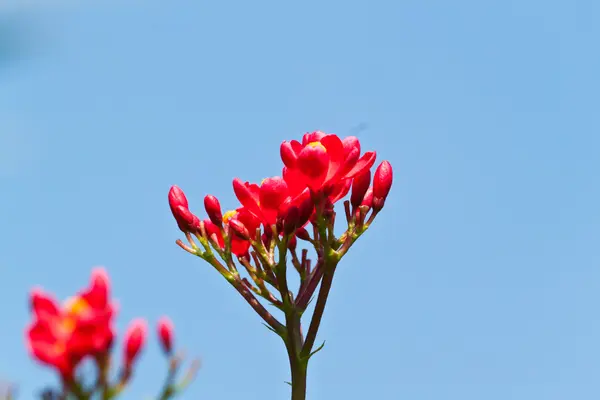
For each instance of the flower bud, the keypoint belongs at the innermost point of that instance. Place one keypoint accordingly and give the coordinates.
(305, 209)
(293, 242)
(186, 220)
(303, 234)
(366, 202)
(165, 334)
(178, 203)
(213, 209)
(368, 199)
(238, 229)
(382, 183)
(290, 223)
(177, 197)
(360, 185)
(135, 338)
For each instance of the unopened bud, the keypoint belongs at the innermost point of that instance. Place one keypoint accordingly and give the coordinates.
(305, 209)
(382, 183)
(177, 197)
(165, 334)
(213, 209)
(186, 220)
(366, 203)
(238, 229)
(360, 185)
(290, 223)
(135, 338)
(303, 234)
(178, 203)
(292, 243)
(368, 199)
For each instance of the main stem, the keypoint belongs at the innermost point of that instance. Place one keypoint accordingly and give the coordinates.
(298, 369)
(293, 344)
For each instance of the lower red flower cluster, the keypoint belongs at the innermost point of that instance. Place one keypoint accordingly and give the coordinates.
(318, 171)
(62, 335)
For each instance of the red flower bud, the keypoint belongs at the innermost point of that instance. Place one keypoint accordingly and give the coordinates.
(186, 220)
(360, 185)
(135, 338)
(213, 209)
(292, 243)
(368, 199)
(238, 229)
(165, 334)
(305, 209)
(177, 197)
(290, 223)
(302, 234)
(178, 203)
(382, 183)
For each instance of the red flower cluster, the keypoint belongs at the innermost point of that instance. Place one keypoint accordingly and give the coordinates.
(62, 335)
(317, 172)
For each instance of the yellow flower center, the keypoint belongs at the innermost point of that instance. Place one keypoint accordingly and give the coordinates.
(317, 144)
(74, 307)
(228, 215)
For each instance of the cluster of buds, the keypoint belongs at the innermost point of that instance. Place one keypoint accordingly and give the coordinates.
(62, 336)
(273, 216)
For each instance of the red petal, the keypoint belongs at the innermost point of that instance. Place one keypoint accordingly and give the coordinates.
(296, 146)
(340, 190)
(350, 143)
(247, 195)
(288, 155)
(349, 162)
(313, 162)
(248, 219)
(365, 162)
(335, 150)
(312, 137)
(273, 192)
(212, 229)
(99, 290)
(295, 180)
(43, 304)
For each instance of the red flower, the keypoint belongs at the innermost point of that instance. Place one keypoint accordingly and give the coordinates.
(241, 216)
(61, 336)
(322, 161)
(262, 201)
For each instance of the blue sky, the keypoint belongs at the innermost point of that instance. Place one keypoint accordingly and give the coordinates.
(480, 281)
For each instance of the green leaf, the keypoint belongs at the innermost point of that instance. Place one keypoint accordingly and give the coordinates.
(317, 350)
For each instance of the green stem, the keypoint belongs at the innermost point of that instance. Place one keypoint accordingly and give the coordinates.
(298, 368)
(311, 336)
